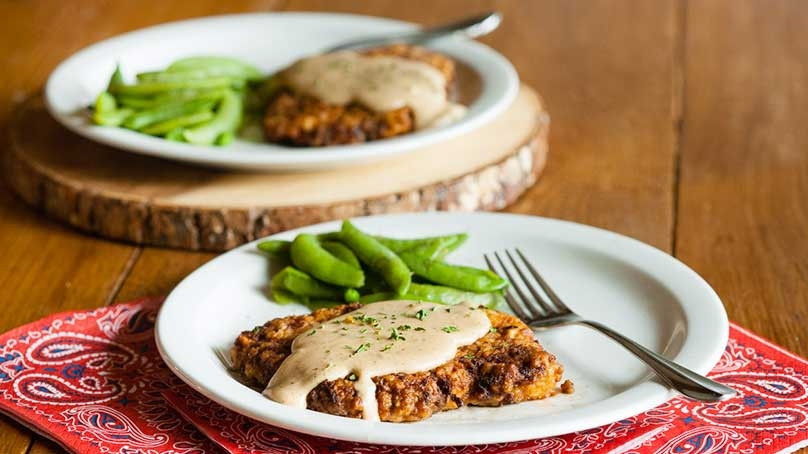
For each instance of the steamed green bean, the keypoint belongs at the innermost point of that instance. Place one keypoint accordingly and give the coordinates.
(227, 119)
(308, 255)
(377, 257)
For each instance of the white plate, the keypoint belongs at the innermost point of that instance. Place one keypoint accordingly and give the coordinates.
(270, 41)
(637, 289)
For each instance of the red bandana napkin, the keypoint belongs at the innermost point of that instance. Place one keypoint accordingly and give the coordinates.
(93, 382)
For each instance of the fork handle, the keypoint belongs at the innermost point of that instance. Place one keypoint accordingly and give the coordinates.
(683, 380)
(471, 27)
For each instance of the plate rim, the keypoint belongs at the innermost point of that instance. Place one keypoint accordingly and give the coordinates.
(632, 401)
(498, 75)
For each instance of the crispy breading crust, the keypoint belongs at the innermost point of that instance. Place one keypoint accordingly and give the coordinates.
(301, 120)
(505, 366)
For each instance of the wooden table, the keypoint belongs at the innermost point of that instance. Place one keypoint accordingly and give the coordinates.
(681, 124)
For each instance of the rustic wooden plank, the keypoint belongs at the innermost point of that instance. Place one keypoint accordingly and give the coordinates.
(157, 271)
(149, 201)
(742, 215)
(44, 446)
(47, 268)
(14, 438)
(607, 71)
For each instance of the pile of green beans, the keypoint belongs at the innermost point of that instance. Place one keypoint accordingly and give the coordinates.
(350, 265)
(198, 100)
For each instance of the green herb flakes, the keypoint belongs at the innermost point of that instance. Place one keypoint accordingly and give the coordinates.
(395, 335)
(362, 348)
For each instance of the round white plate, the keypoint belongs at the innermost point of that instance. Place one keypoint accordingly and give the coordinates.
(632, 287)
(270, 41)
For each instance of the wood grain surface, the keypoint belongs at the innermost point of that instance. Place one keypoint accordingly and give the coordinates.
(678, 123)
(148, 201)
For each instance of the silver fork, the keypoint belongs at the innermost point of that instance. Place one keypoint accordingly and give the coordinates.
(471, 27)
(539, 313)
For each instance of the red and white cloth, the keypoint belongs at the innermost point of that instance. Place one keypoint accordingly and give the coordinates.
(93, 382)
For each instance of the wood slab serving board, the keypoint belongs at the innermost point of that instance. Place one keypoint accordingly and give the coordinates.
(151, 201)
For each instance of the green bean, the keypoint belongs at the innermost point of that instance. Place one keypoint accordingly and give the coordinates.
(227, 119)
(341, 252)
(377, 257)
(351, 295)
(115, 118)
(152, 88)
(106, 111)
(435, 247)
(456, 276)
(148, 117)
(176, 135)
(136, 102)
(275, 248)
(308, 255)
(373, 283)
(301, 284)
(171, 97)
(171, 124)
(193, 74)
(213, 64)
(225, 138)
(439, 294)
(329, 236)
(319, 304)
(105, 102)
(283, 296)
(116, 78)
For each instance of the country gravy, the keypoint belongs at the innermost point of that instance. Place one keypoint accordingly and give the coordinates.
(378, 339)
(381, 83)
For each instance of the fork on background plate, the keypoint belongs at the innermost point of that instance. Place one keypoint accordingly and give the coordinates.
(539, 313)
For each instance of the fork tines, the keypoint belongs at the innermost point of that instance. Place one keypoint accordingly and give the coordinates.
(529, 303)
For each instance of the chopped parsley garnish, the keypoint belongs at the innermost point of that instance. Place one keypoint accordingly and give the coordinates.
(257, 329)
(387, 347)
(449, 329)
(367, 319)
(421, 314)
(448, 309)
(404, 327)
(351, 377)
(311, 333)
(492, 330)
(363, 331)
(419, 328)
(395, 335)
(362, 348)
(468, 356)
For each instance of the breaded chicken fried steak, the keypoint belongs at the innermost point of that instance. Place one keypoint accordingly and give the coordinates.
(349, 97)
(415, 358)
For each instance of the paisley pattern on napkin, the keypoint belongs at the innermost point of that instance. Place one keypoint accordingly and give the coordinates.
(93, 382)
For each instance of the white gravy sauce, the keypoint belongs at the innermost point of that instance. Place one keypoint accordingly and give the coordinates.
(378, 339)
(381, 83)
